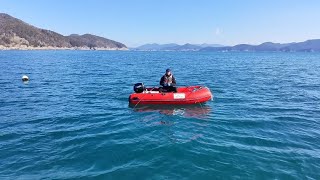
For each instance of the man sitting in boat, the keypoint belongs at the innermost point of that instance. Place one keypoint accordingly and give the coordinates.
(168, 82)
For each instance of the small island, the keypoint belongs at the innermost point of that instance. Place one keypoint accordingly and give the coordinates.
(18, 35)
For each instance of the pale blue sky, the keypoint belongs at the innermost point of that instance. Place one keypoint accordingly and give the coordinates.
(135, 22)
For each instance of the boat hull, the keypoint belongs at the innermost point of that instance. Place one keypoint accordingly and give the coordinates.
(183, 96)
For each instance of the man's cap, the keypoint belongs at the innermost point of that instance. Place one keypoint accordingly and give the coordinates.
(168, 70)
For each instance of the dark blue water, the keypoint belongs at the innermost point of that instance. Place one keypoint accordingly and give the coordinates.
(72, 120)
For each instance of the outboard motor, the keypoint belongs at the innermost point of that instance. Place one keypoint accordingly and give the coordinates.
(139, 88)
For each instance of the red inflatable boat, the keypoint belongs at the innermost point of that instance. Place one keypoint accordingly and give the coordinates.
(184, 95)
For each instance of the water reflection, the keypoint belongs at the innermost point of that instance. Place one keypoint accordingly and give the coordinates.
(178, 131)
(190, 111)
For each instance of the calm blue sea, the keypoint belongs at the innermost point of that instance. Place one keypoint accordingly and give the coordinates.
(72, 120)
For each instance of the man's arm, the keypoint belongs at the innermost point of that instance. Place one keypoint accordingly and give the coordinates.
(174, 81)
(162, 81)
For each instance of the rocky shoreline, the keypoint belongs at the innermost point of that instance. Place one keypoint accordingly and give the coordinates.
(25, 48)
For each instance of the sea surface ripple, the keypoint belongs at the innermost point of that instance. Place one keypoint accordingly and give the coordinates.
(72, 119)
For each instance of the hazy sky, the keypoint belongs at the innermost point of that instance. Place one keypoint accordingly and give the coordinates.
(135, 22)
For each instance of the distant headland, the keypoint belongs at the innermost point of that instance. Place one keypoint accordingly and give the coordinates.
(16, 34)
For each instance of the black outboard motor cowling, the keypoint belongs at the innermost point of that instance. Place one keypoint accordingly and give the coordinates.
(139, 88)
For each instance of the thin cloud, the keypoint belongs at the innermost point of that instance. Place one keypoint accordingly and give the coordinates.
(218, 31)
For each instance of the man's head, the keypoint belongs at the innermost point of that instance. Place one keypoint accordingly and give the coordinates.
(168, 72)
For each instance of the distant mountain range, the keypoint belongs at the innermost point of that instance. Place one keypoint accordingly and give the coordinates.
(306, 46)
(173, 47)
(16, 34)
